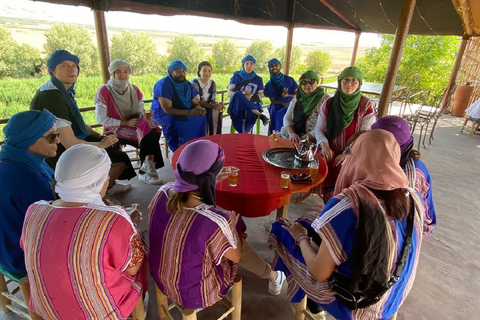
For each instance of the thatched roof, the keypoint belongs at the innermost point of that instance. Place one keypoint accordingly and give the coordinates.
(431, 17)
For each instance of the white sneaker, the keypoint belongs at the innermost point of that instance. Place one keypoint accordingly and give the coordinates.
(275, 287)
(118, 188)
(149, 168)
(149, 179)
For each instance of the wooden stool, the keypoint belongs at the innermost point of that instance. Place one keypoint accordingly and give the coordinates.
(234, 296)
(475, 125)
(302, 313)
(6, 297)
(138, 312)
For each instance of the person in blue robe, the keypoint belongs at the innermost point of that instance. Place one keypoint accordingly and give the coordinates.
(280, 89)
(246, 92)
(25, 178)
(176, 107)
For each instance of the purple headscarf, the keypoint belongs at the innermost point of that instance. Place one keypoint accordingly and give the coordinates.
(197, 168)
(401, 130)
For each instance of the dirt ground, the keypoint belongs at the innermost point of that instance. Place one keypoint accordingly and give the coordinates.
(448, 274)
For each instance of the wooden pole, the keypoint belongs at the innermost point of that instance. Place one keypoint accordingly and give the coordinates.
(408, 8)
(355, 48)
(288, 50)
(456, 67)
(102, 42)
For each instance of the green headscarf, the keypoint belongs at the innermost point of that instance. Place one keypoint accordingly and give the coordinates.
(306, 102)
(343, 107)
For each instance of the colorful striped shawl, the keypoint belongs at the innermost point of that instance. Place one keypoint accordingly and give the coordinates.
(76, 260)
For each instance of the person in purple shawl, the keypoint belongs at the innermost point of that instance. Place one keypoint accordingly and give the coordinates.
(246, 92)
(195, 247)
(415, 169)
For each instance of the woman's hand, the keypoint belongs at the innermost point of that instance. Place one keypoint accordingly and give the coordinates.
(294, 136)
(327, 153)
(218, 106)
(134, 122)
(294, 228)
(225, 173)
(108, 141)
(198, 111)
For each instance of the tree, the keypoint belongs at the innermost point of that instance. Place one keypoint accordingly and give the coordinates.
(318, 61)
(7, 52)
(225, 55)
(188, 50)
(138, 50)
(426, 61)
(262, 52)
(78, 41)
(295, 57)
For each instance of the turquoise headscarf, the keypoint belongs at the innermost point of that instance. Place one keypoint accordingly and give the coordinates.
(22, 131)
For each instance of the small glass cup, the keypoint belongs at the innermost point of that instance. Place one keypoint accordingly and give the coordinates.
(285, 91)
(233, 178)
(284, 179)
(313, 169)
(275, 135)
(148, 114)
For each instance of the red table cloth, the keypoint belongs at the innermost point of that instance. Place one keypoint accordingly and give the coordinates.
(258, 191)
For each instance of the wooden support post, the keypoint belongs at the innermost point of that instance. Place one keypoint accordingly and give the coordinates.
(288, 50)
(102, 43)
(400, 37)
(355, 49)
(456, 67)
(237, 298)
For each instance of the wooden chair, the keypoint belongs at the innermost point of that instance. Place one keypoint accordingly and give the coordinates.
(7, 296)
(234, 296)
(474, 127)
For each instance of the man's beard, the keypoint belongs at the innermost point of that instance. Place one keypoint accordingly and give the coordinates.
(275, 72)
(178, 79)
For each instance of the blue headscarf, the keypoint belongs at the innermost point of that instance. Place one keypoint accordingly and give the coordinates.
(22, 131)
(278, 81)
(182, 90)
(242, 73)
(177, 64)
(68, 95)
(59, 56)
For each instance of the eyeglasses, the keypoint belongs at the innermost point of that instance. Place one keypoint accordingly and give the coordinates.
(310, 82)
(349, 80)
(123, 73)
(52, 137)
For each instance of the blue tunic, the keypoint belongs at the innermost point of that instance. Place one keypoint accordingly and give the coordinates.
(277, 111)
(244, 121)
(339, 234)
(20, 186)
(176, 131)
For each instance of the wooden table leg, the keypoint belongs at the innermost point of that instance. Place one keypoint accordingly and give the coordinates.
(282, 211)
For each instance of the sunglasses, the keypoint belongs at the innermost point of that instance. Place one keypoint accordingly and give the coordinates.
(52, 136)
(310, 82)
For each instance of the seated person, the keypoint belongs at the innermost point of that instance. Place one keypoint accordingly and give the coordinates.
(25, 177)
(280, 89)
(473, 111)
(207, 89)
(415, 169)
(84, 259)
(206, 242)
(359, 235)
(246, 92)
(119, 108)
(176, 107)
(58, 96)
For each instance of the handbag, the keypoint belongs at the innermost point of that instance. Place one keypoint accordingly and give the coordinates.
(365, 298)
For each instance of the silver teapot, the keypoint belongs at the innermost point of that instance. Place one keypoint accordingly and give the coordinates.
(306, 152)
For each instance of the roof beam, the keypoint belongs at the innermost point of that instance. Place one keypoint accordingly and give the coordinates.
(341, 16)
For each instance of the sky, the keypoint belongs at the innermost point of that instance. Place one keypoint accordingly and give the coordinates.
(189, 25)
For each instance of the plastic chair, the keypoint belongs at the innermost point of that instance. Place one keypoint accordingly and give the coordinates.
(234, 296)
(7, 296)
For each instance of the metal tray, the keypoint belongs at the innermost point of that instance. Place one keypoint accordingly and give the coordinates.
(284, 158)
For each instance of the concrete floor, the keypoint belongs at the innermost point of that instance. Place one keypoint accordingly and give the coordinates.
(448, 274)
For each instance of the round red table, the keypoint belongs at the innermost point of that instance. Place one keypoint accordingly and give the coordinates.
(258, 191)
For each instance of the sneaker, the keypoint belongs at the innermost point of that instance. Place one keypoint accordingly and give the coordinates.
(149, 168)
(149, 179)
(264, 119)
(118, 188)
(275, 287)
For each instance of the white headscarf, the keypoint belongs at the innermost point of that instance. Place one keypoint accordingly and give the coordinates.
(122, 91)
(81, 172)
